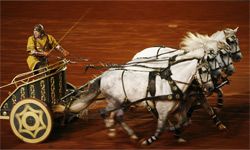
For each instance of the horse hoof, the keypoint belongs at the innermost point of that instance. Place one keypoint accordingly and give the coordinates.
(181, 140)
(134, 137)
(143, 142)
(187, 123)
(109, 123)
(222, 127)
(111, 133)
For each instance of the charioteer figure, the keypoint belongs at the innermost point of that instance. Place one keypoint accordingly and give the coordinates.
(39, 47)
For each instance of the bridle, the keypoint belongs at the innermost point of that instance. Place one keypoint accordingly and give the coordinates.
(212, 61)
(204, 68)
(225, 54)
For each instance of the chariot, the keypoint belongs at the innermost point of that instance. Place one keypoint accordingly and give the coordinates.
(29, 106)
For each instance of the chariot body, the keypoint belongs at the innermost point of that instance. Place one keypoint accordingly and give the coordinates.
(29, 106)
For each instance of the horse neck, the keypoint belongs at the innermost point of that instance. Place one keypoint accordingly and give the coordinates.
(184, 72)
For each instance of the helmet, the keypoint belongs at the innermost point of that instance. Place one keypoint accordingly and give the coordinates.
(39, 28)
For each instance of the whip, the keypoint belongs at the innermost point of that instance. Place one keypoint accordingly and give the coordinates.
(71, 28)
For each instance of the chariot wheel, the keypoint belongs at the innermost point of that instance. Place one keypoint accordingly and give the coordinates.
(31, 120)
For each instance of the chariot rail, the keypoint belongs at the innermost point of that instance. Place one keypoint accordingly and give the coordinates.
(28, 76)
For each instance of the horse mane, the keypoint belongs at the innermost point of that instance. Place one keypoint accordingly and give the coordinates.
(218, 36)
(194, 41)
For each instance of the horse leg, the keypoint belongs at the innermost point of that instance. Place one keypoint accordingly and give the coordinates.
(213, 115)
(182, 120)
(110, 124)
(120, 120)
(109, 118)
(219, 106)
(163, 108)
(194, 107)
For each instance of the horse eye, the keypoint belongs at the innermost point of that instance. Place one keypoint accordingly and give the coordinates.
(230, 41)
(212, 51)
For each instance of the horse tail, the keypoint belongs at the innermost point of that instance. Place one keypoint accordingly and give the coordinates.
(87, 97)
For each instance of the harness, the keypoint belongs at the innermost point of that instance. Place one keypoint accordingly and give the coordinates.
(157, 54)
(151, 88)
(215, 62)
(123, 87)
(164, 74)
(225, 53)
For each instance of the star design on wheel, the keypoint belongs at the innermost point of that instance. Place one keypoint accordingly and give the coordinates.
(41, 124)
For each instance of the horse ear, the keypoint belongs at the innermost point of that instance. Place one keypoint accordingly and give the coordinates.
(236, 29)
(225, 32)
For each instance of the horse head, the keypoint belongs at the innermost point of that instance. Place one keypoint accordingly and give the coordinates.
(224, 58)
(229, 36)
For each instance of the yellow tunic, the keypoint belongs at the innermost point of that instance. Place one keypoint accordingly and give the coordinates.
(46, 43)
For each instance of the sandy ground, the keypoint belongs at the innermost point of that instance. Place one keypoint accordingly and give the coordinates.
(112, 32)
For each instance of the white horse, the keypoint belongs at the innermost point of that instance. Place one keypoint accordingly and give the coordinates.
(110, 84)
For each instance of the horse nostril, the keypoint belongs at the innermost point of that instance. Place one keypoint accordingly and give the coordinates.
(216, 74)
(229, 72)
(210, 89)
(237, 58)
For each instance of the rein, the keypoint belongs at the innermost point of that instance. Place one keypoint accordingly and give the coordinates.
(157, 55)
(182, 82)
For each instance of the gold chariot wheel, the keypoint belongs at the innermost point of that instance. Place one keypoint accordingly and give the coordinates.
(31, 120)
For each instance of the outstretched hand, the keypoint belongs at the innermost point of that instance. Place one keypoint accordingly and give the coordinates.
(46, 54)
(36, 53)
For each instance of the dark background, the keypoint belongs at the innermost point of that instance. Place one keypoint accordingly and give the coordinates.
(112, 32)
